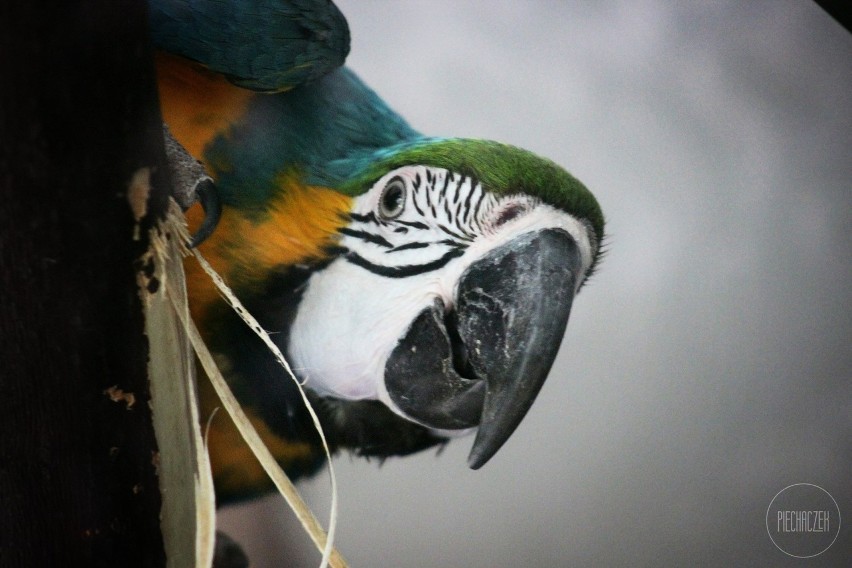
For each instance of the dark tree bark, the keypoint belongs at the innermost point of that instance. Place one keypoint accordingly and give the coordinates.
(78, 118)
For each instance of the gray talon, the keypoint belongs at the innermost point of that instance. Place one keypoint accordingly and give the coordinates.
(190, 183)
(209, 198)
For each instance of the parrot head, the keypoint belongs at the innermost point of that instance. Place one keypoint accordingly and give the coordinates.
(451, 287)
(434, 300)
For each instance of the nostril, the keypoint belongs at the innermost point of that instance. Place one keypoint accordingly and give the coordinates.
(508, 214)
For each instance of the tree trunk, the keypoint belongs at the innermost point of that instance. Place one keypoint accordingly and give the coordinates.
(78, 119)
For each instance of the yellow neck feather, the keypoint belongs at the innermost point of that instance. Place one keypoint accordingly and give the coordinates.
(297, 225)
(196, 103)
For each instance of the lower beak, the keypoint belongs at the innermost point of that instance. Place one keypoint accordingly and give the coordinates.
(483, 363)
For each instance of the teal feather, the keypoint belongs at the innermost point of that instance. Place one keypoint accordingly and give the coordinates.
(263, 45)
(323, 129)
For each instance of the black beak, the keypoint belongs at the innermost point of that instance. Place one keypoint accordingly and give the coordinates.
(484, 362)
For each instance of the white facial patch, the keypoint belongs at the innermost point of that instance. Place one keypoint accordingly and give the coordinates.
(411, 237)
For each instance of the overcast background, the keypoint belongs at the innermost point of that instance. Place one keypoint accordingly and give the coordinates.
(707, 365)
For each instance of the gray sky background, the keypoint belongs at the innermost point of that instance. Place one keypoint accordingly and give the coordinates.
(707, 366)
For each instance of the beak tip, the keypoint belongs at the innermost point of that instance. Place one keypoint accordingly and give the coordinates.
(482, 451)
(476, 462)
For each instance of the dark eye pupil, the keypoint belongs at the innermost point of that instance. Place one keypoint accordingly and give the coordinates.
(393, 200)
(393, 197)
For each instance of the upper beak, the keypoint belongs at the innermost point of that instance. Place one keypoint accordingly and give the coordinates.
(484, 362)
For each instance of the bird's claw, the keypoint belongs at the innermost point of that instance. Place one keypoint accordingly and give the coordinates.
(190, 183)
(208, 196)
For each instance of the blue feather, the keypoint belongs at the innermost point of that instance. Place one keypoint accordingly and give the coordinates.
(327, 130)
(262, 45)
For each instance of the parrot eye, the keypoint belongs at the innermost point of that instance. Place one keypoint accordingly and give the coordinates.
(393, 199)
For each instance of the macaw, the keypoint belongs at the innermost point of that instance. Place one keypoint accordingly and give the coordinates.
(419, 286)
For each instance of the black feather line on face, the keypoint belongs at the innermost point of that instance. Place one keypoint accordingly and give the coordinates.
(457, 196)
(453, 233)
(365, 218)
(406, 270)
(365, 236)
(420, 211)
(413, 224)
(475, 213)
(409, 246)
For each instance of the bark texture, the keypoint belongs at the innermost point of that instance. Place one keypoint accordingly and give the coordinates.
(78, 119)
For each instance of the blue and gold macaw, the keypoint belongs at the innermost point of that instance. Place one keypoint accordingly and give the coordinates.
(419, 286)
